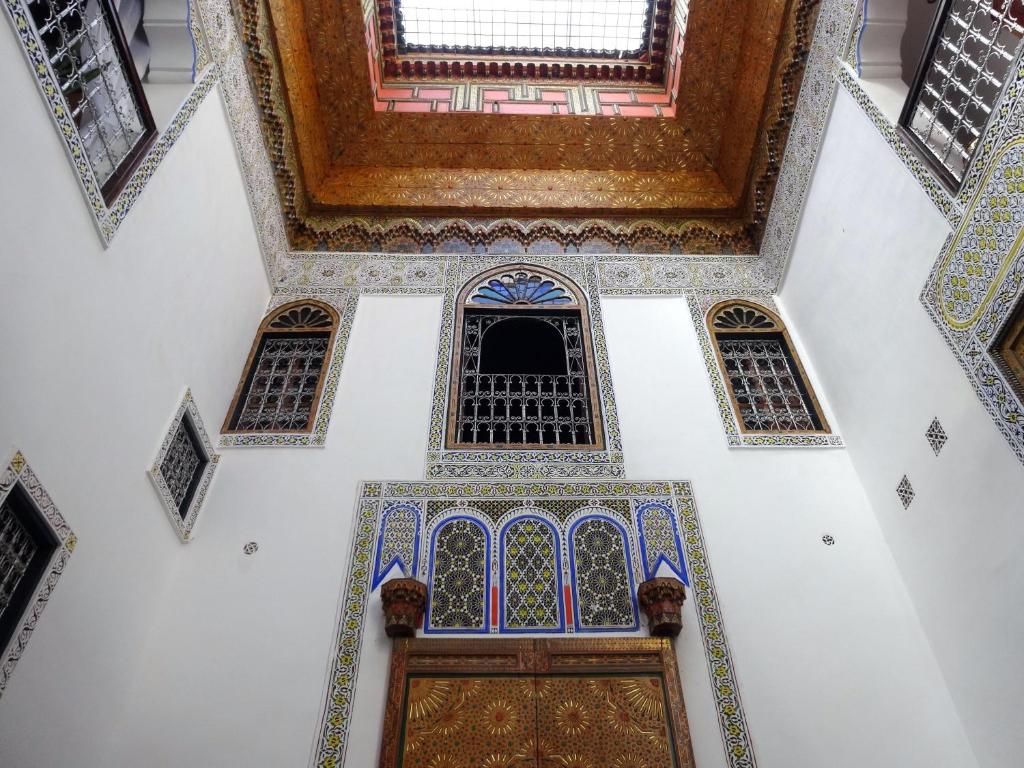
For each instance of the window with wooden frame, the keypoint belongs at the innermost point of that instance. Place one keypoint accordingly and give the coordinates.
(972, 51)
(767, 384)
(284, 376)
(523, 367)
(535, 704)
(1009, 348)
(92, 63)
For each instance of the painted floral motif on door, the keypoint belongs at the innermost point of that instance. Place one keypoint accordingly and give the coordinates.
(535, 704)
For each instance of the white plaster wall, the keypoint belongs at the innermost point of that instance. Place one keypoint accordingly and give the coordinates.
(97, 348)
(827, 648)
(833, 666)
(244, 642)
(152, 653)
(868, 238)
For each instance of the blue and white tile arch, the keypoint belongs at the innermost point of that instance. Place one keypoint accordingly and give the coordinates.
(492, 507)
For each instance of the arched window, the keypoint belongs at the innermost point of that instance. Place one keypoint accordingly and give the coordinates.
(766, 382)
(459, 565)
(602, 575)
(284, 376)
(523, 373)
(531, 583)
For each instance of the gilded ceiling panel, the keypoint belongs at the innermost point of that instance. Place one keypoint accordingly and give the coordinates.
(698, 182)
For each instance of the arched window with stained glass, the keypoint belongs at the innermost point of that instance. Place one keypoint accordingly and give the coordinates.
(460, 565)
(767, 384)
(602, 575)
(523, 373)
(531, 576)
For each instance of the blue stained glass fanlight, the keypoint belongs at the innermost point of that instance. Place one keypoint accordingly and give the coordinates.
(521, 288)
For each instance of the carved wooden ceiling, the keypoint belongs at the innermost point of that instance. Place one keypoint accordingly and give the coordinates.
(352, 177)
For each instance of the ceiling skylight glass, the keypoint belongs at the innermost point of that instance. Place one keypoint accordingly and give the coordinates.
(599, 28)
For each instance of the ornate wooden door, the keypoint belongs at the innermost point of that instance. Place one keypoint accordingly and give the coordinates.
(535, 704)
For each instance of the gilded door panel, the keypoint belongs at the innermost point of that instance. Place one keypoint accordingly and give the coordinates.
(600, 721)
(469, 722)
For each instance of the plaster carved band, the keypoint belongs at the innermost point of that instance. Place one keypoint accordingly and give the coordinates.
(662, 601)
(403, 601)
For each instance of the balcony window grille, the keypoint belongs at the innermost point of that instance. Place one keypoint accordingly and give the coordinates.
(973, 47)
(280, 390)
(91, 62)
(767, 384)
(524, 367)
(26, 546)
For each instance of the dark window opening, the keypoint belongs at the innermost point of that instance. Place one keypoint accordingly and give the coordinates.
(282, 385)
(183, 465)
(524, 379)
(26, 546)
(1009, 349)
(766, 385)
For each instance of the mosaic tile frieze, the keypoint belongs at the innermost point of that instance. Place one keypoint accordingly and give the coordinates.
(700, 304)
(398, 542)
(184, 467)
(344, 302)
(18, 474)
(659, 540)
(109, 217)
(523, 464)
(532, 566)
(488, 506)
(978, 277)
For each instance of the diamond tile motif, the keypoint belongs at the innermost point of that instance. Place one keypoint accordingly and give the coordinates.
(936, 436)
(905, 491)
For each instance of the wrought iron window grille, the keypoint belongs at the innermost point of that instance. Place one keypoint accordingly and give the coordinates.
(766, 382)
(283, 379)
(26, 548)
(524, 373)
(972, 49)
(91, 61)
(184, 467)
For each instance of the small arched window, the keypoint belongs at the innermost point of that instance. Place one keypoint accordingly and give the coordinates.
(523, 372)
(284, 376)
(531, 584)
(766, 382)
(460, 562)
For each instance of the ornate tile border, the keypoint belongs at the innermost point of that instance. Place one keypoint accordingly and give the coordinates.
(109, 218)
(345, 303)
(184, 526)
(332, 735)
(979, 277)
(699, 304)
(18, 472)
(513, 464)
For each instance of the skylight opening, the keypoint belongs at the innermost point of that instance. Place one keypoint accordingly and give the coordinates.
(609, 29)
